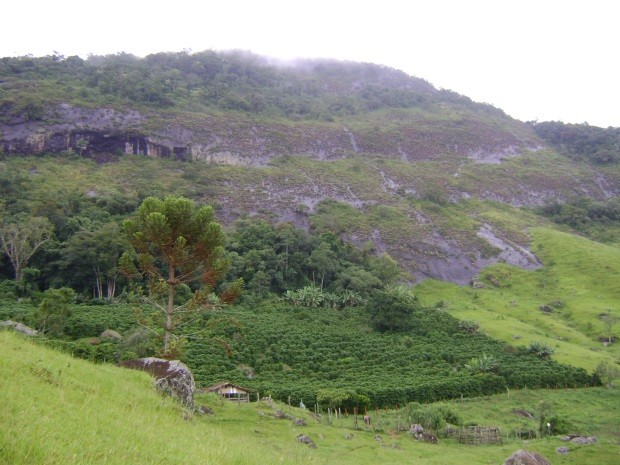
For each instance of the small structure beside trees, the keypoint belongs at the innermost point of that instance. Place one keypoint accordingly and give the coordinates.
(230, 391)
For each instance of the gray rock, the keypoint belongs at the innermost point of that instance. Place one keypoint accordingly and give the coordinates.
(280, 415)
(300, 422)
(204, 410)
(416, 429)
(110, 334)
(172, 377)
(562, 450)
(427, 437)
(378, 438)
(19, 327)
(583, 440)
(523, 457)
(348, 436)
(306, 440)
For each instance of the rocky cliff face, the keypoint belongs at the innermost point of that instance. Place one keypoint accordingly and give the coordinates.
(404, 155)
(243, 141)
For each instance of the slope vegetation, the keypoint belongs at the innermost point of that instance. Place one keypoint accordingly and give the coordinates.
(57, 410)
(571, 303)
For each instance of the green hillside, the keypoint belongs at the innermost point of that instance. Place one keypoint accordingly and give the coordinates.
(82, 413)
(404, 251)
(579, 283)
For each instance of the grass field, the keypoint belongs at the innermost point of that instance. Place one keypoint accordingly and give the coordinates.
(59, 410)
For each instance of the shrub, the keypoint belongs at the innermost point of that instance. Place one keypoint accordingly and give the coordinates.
(540, 349)
(560, 425)
(432, 417)
(392, 309)
(54, 310)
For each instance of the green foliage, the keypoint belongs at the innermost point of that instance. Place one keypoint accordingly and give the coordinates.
(8, 291)
(579, 279)
(346, 400)
(54, 311)
(283, 258)
(607, 372)
(295, 352)
(176, 243)
(544, 412)
(21, 237)
(483, 364)
(560, 425)
(469, 326)
(598, 145)
(313, 297)
(599, 220)
(392, 309)
(234, 81)
(432, 417)
(540, 349)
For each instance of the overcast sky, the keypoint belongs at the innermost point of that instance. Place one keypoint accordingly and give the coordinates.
(535, 59)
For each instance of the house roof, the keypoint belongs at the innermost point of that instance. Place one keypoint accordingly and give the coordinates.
(222, 384)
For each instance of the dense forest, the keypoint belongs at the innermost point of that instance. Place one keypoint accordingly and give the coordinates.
(597, 145)
(230, 81)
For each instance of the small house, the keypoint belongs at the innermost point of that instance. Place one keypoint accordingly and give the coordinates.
(230, 391)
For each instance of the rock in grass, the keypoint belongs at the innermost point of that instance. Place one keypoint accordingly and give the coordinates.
(280, 415)
(584, 440)
(204, 410)
(300, 422)
(523, 457)
(306, 440)
(562, 450)
(19, 327)
(172, 377)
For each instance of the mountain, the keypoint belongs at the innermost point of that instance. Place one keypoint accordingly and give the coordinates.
(363, 150)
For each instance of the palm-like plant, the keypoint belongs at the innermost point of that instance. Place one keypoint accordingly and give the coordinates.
(483, 364)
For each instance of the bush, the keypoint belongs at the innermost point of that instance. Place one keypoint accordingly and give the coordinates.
(540, 349)
(432, 417)
(392, 309)
(560, 425)
(54, 310)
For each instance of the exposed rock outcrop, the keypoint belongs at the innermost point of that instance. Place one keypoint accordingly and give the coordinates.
(523, 457)
(19, 327)
(172, 377)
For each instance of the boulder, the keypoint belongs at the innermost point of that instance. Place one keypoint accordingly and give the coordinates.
(300, 422)
(584, 440)
(523, 457)
(172, 377)
(562, 450)
(427, 437)
(546, 308)
(204, 410)
(416, 429)
(280, 415)
(19, 327)
(110, 334)
(306, 440)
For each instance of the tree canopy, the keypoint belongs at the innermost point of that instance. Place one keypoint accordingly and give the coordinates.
(176, 242)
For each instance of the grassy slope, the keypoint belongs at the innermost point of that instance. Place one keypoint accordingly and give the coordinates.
(582, 274)
(59, 410)
(55, 409)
